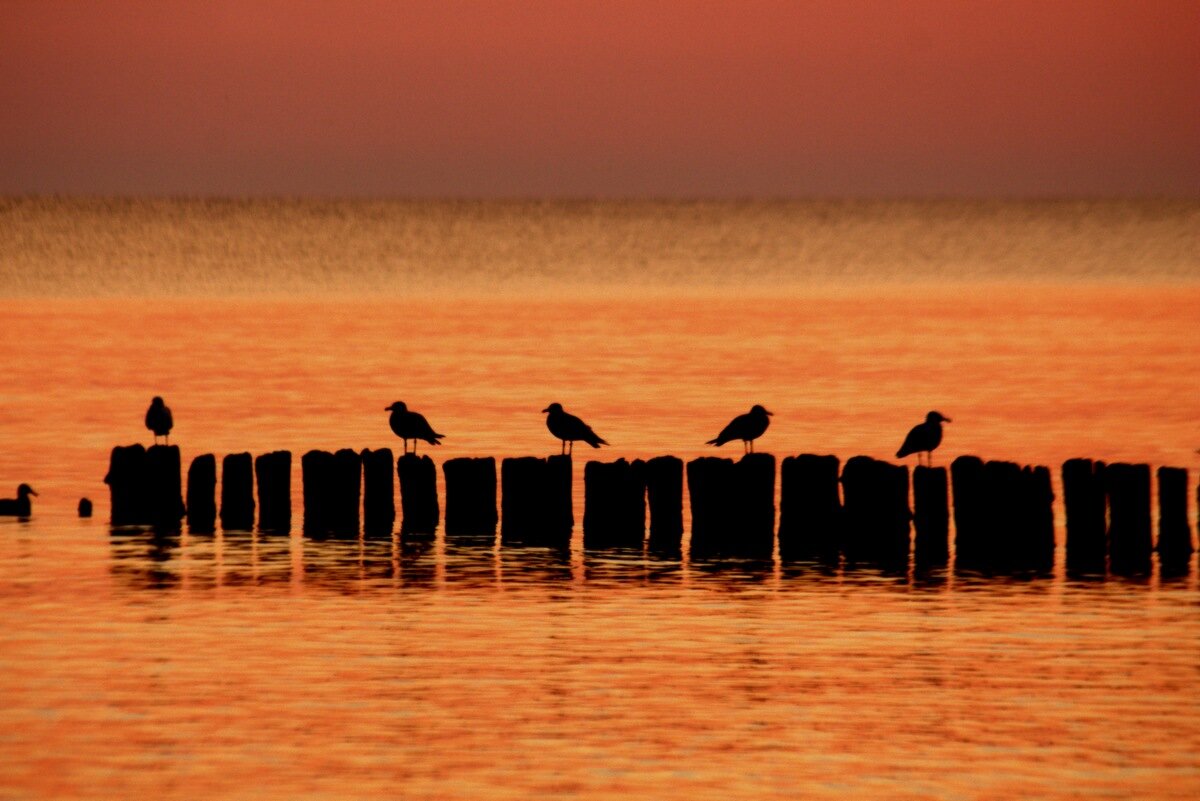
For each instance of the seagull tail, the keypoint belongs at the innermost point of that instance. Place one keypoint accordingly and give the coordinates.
(596, 442)
(716, 442)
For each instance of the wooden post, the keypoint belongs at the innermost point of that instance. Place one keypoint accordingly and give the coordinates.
(664, 494)
(345, 492)
(1084, 499)
(536, 501)
(614, 507)
(201, 495)
(126, 481)
(877, 515)
(316, 471)
(164, 495)
(379, 492)
(1174, 531)
(733, 506)
(931, 516)
(1128, 490)
(237, 492)
(470, 496)
(273, 475)
(1036, 520)
(1003, 517)
(971, 524)
(810, 508)
(418, 494)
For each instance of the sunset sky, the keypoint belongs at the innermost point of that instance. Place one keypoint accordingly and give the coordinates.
(615, 98)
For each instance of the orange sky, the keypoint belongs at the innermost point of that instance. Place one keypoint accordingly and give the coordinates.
(606, 98)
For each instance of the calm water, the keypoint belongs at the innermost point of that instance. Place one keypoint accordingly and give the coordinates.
(258, 666)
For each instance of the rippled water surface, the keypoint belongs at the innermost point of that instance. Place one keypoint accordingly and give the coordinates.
(249, 665)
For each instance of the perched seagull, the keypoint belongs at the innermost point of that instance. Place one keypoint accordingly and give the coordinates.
(410, 425)
(569, 428)
(924, 437)
(746, 427)
(158, 419)
(20, 505)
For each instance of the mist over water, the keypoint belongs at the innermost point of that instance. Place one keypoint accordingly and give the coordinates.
(117, 247)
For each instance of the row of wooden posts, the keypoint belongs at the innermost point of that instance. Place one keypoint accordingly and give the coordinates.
(1003, 512)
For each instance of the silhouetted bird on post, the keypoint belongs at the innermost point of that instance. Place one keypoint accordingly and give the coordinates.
(19, 506)
(410, 425)
(746, 427)
(158, 419)
(569, 428)
(924, 438)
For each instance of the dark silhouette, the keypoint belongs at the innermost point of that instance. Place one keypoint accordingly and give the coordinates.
(379, 492)
(159, 420)
(810, 508)
(569, 428)
(85, 507)
(535, 502)
(614, 504)
(418, 495)
(924, 438)
(733, 507)
(746, 427)
(1174, 532)
(410, 425)
(237, 492)
(1086, 512)
(875, 513)
(201, 494)
(1003, 517)
(931, 516)
(664, 497)
(273, 480)
(20, 505)
(1129, 539)
(470, 497)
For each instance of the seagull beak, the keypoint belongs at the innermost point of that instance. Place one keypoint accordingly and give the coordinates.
(770, 414)
(31, 492)
(545, 410)
(947, 420)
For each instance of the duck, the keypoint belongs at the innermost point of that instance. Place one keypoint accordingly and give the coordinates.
(569, 429)
(411, 425)
(746, 427)
(18, 506)
(924, 437)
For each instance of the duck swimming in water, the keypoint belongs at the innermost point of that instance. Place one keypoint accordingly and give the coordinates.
(19, 506)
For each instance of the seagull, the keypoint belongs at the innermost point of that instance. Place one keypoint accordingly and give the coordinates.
(746, 427)
(20, 505)
(569, 428)
(924, 437)
(410, 425)
(158, 419)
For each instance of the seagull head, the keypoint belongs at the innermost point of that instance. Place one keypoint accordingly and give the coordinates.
(937, 417)
(156, 401)
(398, 406)
(756, 409)
(553, 408)
(25, 490)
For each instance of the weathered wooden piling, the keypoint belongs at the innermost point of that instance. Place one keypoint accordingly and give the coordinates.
(664, 496)
(810, 507)
(931, 516)
(1003, 516)
(379, 492)
(1129, 537)
(273, 476)
(345, 492)
(237, 492)
(877, 516)
(331, 482)
(201, 494)
(127, 485)
(536, 501)
(470, 496)
(164, 495)
(418, 494)
(1174, 531)
(316, 477)
(733, 506)
(614, 505)
(1084, 501)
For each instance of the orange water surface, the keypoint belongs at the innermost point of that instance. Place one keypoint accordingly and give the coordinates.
(245, 665)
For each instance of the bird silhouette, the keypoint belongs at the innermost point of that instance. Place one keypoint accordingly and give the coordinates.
(569, 428)
(19, 506)
(924, 438)
(746, 427)
(159, 420)
(410, 425)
